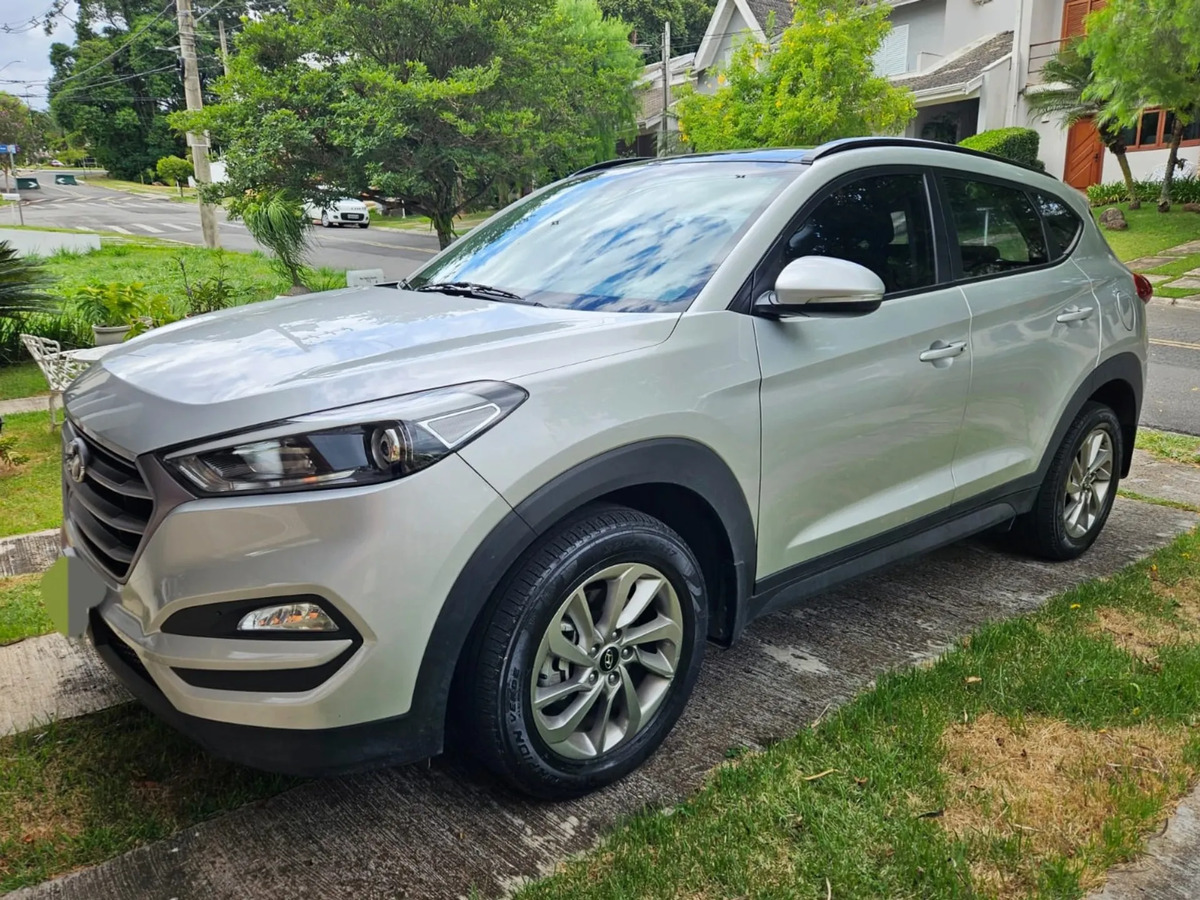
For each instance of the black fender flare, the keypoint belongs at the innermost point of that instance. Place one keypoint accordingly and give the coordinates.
(1124, 367)
(672, 461)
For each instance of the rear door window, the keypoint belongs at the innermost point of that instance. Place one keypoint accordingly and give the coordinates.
(997, 230)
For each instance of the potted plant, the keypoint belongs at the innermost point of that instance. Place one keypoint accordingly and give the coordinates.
(115, 309)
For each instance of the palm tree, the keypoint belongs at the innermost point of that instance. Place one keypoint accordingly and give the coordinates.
(277, 221)
(1069, 72)
(20, 280)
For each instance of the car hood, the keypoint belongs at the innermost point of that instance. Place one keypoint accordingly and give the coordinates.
(264, 362)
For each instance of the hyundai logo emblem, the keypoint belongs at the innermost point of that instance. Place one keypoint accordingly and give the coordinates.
(77, 460)
(608, 659)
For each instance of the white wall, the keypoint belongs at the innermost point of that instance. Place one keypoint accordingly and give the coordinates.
(926, 21)
(46, 243)
(1052, 143)
(1143, 162)
(733, 31)
(967, 20)
(994, 95)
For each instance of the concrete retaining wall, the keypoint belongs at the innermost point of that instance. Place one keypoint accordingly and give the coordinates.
(46, 243)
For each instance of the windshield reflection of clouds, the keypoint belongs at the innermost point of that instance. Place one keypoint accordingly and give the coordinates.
(644, 239)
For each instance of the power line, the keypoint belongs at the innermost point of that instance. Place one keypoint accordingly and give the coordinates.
(96, 65)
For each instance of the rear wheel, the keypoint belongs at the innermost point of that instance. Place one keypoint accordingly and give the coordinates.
(589, 656)
(1081, 484)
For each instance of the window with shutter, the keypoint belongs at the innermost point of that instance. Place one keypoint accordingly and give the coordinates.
(1074, 14)
(892, 56)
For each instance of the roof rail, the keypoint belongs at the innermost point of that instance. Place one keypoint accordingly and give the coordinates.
(612, 164)
(832, 147)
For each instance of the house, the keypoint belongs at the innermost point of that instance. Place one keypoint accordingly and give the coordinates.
(970, 65)
(648, 90)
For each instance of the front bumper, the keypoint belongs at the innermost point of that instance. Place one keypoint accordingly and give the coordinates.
(385, 557)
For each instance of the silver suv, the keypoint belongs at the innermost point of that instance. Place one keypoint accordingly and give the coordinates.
(521, 491)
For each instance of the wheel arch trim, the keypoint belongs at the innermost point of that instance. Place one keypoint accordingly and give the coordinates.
(677, 462)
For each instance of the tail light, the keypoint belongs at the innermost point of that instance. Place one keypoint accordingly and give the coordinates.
(1145, 290)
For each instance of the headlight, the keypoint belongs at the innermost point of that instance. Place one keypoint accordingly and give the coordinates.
(364, 444)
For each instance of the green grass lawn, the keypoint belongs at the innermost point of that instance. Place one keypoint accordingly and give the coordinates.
(31, 495)
(156, 264)
(1184, 448)
(22, 380)
(462, 224)
(1025, 762)
(1151, 231)
(22, 614)
(83, 790)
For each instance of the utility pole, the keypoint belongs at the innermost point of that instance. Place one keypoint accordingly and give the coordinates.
(196, 140)
(666, 88)
(224, 48)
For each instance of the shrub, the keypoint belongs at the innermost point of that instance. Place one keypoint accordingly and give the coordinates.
(174, 170)
(1018, 144)
(69, 330)
(1183, 190)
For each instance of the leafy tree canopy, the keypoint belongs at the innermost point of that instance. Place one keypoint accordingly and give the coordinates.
(431, 101)
(113, 87)
(688, 18)
(817, 85)
(1147, 53)
(29, 129)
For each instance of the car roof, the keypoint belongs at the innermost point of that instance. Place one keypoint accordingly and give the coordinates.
(809, 155)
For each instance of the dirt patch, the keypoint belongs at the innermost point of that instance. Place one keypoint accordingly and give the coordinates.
(1139, 635)
(1046, 789)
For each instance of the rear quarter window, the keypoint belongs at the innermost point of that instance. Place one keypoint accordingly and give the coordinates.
(1061, 223)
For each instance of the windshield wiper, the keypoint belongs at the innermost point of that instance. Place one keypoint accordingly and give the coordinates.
(474, 289)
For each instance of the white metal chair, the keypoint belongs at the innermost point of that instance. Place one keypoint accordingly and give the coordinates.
(59, 366)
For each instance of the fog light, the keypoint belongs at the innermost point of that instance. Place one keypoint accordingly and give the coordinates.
(288, 617)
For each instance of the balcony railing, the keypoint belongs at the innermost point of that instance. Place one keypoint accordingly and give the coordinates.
(1038, 54)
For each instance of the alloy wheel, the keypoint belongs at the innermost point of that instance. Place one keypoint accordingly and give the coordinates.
(607, 660)
(1088, 483)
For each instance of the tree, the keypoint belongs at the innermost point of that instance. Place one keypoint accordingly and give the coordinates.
(819, 84)
(114, 86)
(689, 20)
(1147, 53)
(25, 127)
(174, 170)
(432, 102)
(277, 221)
(1070, 73)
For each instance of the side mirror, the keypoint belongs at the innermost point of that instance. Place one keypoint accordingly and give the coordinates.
(822, 284)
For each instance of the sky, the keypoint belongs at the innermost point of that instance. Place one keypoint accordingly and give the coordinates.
(26, 57)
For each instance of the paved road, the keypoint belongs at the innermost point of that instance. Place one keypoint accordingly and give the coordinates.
(1172, 398)
(398, 253)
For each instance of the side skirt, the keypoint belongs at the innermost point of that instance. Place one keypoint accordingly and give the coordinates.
(817, 576)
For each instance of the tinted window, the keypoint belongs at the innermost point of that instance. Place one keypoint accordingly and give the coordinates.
(639, 239)
(1150, 123)
(997, 227)
(881, 222)
(1062, 225)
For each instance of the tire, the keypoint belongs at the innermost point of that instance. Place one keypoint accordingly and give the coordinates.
(1058, 527)
(576, 567)
(365, 225)
(325, 221)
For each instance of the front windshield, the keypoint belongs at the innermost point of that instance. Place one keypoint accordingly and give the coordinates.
(640, 239)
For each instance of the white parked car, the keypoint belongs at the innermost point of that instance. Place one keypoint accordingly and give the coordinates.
(343, 211)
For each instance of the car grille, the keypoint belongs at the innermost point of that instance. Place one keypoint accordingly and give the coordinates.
(110, 508)
(352, 217)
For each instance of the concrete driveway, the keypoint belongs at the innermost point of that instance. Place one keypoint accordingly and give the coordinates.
(86, 206)
(444, 829)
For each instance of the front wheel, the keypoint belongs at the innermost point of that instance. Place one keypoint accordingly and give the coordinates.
(364, 225)
(1080, 486)
(590, 654)
(325, 220)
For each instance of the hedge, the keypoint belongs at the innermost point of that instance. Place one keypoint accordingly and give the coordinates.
(1183, 190)
(1018, 144)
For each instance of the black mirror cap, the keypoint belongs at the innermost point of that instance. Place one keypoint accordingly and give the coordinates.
(769, 307)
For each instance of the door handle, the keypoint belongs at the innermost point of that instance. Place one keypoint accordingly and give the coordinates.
(942, 350)
(1075, 314)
